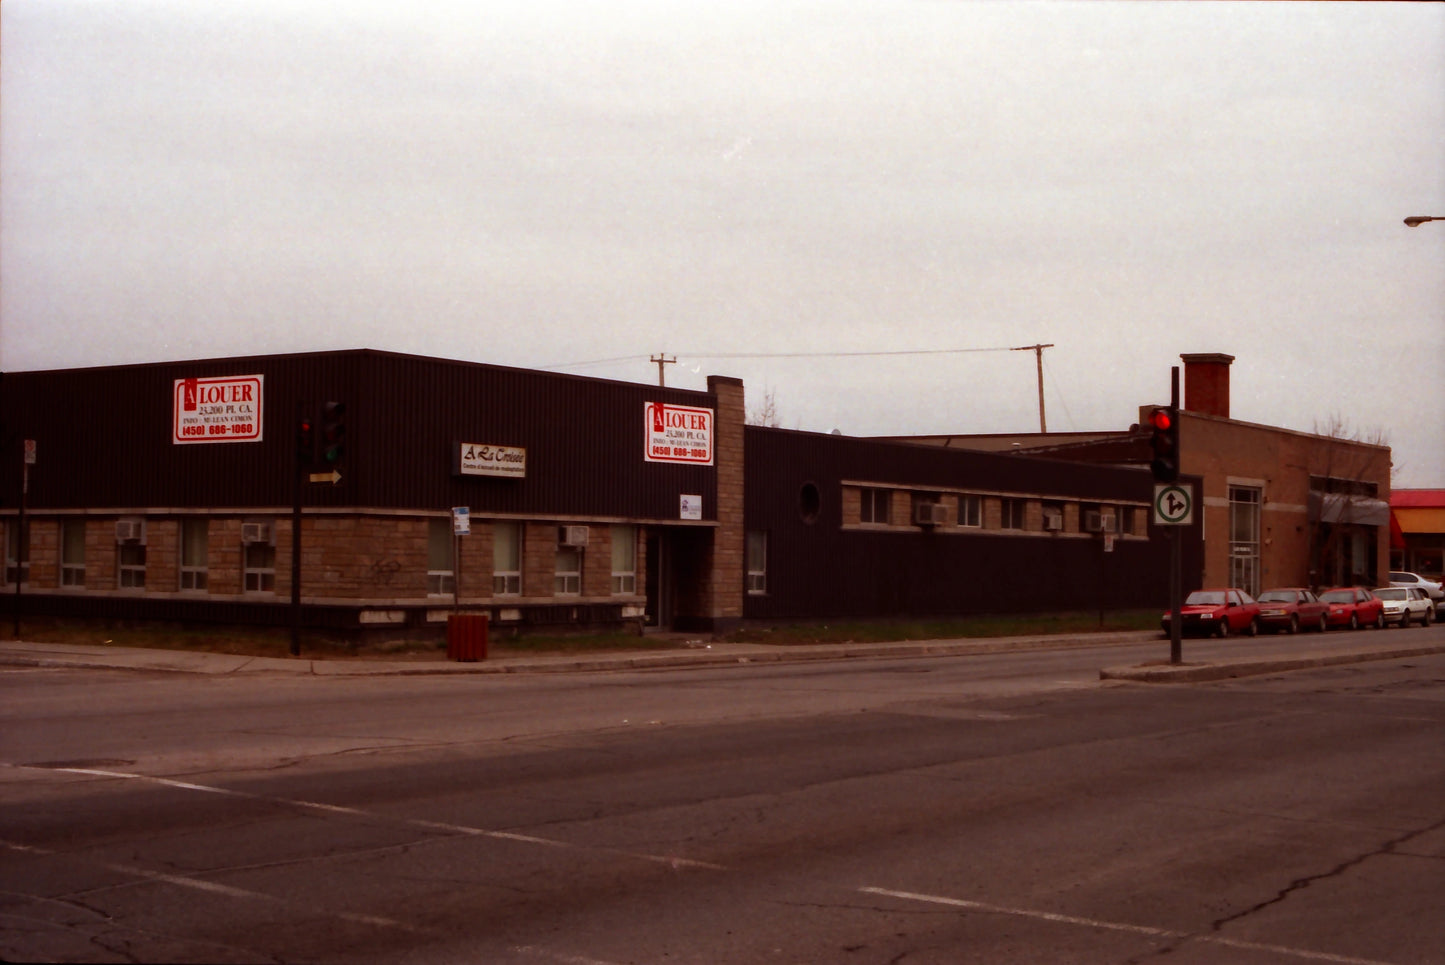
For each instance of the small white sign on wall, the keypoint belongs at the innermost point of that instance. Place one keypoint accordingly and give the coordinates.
(691, 507)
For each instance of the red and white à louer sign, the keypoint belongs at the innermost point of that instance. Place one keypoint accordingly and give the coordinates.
(678, 433)
(217, 410)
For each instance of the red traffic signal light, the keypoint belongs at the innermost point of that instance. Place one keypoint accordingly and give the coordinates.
(305, 441)
(1165, 444)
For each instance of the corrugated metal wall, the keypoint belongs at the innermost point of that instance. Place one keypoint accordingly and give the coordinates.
(104, 438)
(819, 569)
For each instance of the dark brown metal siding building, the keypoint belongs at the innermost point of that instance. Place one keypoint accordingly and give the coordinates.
(817, 567)
(103, 438)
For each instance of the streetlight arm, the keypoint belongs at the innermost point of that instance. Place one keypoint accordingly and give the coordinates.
(1417, 220)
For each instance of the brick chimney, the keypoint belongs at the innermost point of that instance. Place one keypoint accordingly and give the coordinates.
(1206, 384)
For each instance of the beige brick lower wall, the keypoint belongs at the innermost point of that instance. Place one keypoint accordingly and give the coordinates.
(377, 560)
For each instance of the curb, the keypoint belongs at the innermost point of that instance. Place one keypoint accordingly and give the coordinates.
(1195, 673)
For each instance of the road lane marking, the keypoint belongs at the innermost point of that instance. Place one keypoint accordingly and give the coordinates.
(672, 861)
(1170, 933)
(201, 884)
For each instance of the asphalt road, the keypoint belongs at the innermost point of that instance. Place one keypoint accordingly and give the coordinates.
(1003, 808)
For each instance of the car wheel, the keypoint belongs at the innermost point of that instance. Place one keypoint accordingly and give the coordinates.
(1354, 621)
(1223, 628)
(1253, 628)
(1404, 619)
(1324, 623)
(1380, 620)
(1294, 624)
(1425, 620)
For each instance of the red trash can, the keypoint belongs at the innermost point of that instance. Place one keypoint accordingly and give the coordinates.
(467, 637)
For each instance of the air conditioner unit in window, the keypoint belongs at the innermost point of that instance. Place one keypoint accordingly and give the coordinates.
(1093, 521)
(130, 530)
(1053, 522)
(930, 514)
(572, 535)
(257, 533)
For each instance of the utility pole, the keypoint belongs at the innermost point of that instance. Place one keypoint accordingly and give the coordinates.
(662, 360)
(1038, 351)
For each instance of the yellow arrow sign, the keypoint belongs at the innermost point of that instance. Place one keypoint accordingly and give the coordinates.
(332, 477)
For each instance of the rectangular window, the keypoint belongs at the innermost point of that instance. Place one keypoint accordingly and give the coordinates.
(1013, 513)
(757, 561)
(568, 578)
(970, 511)
(12, 554)
(507, 559)
(624, 560)
(131, 566)
(874, 505)
(194, 536)
(1244, 507)
(130, 552)
(441, 578)
(258, 563)
(72, 553)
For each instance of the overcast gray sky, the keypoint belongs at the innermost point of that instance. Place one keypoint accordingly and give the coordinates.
(554, 184)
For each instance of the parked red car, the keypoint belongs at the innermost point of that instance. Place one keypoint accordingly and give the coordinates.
(1290, 608)
(1217, 611)
(1354, 607)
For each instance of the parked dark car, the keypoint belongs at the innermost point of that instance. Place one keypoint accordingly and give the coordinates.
(1222, 611)
(1354, 607)
(1290, 608)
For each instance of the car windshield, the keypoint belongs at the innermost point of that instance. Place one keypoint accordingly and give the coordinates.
(1205, 598)
(1392, 594)
(1276, 596)
(1338, 596)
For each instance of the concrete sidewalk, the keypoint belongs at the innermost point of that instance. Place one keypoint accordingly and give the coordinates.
(1266, 655)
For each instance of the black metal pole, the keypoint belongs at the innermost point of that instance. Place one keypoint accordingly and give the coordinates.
(296, 487)
(22, 545)
(1176, 543)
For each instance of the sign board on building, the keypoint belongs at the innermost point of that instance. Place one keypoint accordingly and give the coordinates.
(217, 410)
(691, 507)
(678, 433)
(461, 521)
(480, 459)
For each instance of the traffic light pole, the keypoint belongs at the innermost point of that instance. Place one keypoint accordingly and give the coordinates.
(1176, 545)
(301, 464)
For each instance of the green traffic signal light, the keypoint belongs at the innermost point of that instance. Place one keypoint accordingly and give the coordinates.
(333, 433)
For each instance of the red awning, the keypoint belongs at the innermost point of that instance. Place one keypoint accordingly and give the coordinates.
(1397, 535)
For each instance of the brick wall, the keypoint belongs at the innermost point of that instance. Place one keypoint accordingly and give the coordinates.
(724, 576)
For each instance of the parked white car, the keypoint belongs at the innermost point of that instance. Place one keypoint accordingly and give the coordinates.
(1406, 605)
(1432, 589)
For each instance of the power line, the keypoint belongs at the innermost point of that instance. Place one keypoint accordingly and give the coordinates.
(783, 355)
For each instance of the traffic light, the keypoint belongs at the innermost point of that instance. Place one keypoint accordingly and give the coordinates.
(333, 434)
(1165, 443)
(305, 441)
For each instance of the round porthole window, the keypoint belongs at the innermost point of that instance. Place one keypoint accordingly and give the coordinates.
(810, 503)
